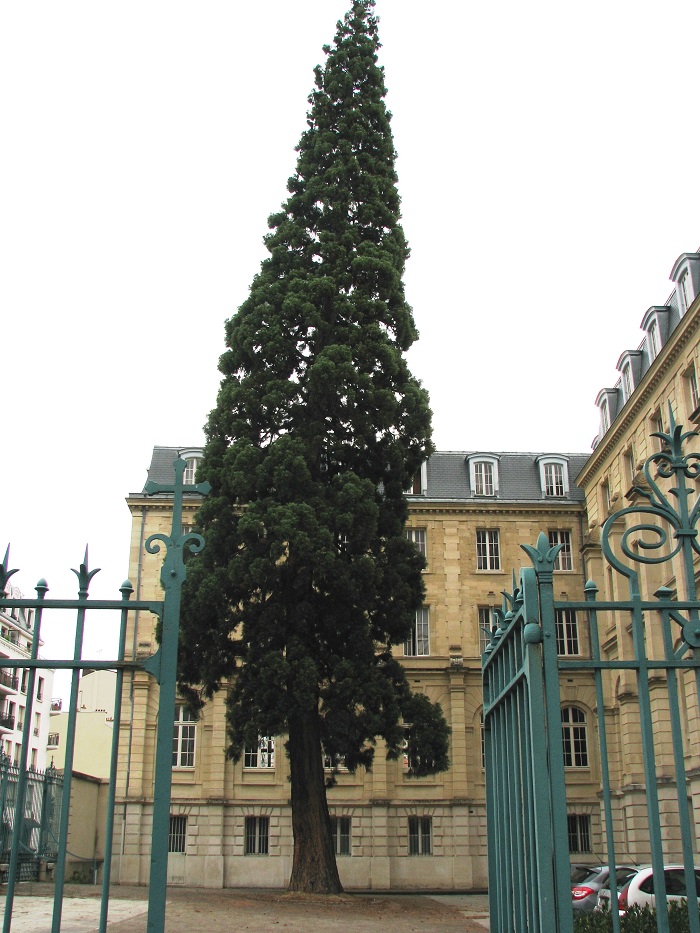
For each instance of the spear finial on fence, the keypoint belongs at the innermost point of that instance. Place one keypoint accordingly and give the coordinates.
(5, 572)
(84, 575)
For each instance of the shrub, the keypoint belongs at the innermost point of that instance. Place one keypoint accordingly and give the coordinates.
(636, 920)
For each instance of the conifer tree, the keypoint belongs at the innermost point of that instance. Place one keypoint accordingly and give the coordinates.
(307, 579)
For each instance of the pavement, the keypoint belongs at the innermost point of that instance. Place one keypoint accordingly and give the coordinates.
(199, 910)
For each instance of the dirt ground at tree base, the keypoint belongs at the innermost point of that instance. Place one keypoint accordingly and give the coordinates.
(198, 910)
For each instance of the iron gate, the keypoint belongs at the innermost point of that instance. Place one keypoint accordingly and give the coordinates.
(643, 664)
(19, 795)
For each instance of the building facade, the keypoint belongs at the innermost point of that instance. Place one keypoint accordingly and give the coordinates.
(94, 726)
(656, 379)
(16, 630)
(231, 823)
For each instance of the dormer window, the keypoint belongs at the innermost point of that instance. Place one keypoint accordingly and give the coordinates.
(630, 366)
(191, 470)
(686, 290)
(483, 474)
(627, 385)
(653, 334)
(419, 485)
(686, 275)
(192, 458)
(483, 478)
(609, 402)
(554, 477)
(655, 325)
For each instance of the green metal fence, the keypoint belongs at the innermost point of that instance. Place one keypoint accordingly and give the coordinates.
(656, 652)
(39, 834)
(20, 799)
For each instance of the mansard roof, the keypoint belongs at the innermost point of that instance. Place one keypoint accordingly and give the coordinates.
(666, 318)
(447, 474)
(518, 475)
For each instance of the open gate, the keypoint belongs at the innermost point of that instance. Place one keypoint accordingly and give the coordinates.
(35, 808)
(644, 666)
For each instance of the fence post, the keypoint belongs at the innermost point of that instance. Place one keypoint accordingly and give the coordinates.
(543, 557)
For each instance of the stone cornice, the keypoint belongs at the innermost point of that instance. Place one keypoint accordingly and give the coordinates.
(480, 507)
(653, 379)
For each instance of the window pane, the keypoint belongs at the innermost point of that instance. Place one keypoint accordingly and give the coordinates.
(418, 536)
(263, 835)
(418, 644)
(413, 837)
(425, 835)
(485, 624)
(177, 834)
(488, 552)
(567, 631)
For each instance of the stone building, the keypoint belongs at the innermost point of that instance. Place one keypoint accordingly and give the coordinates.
(16, 632)
(231, 823)
(661, 372)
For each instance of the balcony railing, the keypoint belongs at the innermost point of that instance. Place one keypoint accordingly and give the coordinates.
(7, 722)
(7, 680)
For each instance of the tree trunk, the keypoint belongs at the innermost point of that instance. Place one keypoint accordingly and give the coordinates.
(314, 868)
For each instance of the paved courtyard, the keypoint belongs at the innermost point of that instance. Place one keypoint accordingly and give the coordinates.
(191, 910)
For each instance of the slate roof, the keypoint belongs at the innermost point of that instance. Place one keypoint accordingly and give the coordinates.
(448, 474)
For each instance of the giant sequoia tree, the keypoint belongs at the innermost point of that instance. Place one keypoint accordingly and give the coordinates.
(307, 579)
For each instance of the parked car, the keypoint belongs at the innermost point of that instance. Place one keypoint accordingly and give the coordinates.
(640, 888)
(587, 881)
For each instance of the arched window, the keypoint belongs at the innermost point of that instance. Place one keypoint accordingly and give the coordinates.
(574, 737)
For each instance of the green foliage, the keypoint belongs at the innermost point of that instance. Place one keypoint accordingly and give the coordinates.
(307, 577)
(636, 920)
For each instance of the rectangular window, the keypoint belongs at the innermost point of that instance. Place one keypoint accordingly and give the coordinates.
(629, 463)
(485, 624)
(579, 827)
(653, 340)
(418, 644)
(40, 688)
(177, 834)
(418, 536)
(564, 559)
(687, 290)
(627, 387)
(553, 479)
(191, 465)
(488, 551)
(261, 755)
(37, 723)
(333, 763)
(691, 382)
(567, 631)
(340, 828)
(420, 835)
(184, 732)
(257, 835)
(657, 427)
(53, 740)
(483, 478)
(25, 678)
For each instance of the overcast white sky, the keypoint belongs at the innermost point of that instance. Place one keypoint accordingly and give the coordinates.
(548, 166)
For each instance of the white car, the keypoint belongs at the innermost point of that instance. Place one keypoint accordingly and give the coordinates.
(640, 888)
